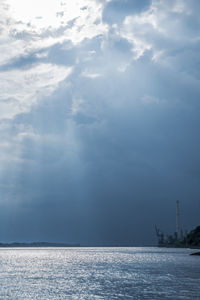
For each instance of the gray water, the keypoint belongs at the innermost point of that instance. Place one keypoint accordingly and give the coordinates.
(99, 273)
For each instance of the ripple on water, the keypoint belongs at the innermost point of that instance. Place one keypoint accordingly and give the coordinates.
(99, 273)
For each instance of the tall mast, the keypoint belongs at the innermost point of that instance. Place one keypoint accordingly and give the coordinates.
(178, 229)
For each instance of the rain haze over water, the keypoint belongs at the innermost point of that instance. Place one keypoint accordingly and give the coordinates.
(99, 273)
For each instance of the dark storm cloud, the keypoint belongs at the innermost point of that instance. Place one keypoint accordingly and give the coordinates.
(60, 54)
(142, 153)
(124, 171)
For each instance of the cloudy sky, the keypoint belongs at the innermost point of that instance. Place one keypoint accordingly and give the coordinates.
(99, 119)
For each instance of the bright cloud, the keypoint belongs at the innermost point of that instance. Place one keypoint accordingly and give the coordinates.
(165, 26)
(91, 75)
(26, 28)
(20, 89)
(30, 26)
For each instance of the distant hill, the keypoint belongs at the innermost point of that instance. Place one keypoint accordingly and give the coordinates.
(37, 244)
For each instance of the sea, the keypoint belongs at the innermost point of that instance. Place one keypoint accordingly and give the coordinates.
(99, 273)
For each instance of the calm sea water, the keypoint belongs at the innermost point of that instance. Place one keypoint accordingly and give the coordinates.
(99, 273)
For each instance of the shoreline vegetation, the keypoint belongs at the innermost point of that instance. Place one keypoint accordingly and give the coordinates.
(190, 240)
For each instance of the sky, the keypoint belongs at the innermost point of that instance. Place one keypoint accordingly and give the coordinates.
(99, 119)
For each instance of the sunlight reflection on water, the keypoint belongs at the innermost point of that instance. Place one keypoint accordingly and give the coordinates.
(99, 273)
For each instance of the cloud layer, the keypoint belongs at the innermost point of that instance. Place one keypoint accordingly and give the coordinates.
(99, 118)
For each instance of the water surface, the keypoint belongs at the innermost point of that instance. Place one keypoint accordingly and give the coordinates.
(99, 273)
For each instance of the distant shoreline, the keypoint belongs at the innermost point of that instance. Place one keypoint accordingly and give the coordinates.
(68, 245)
(36, 244)
(49, 244)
